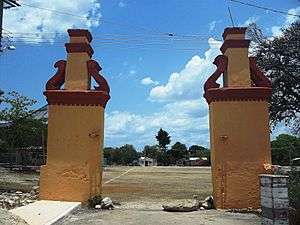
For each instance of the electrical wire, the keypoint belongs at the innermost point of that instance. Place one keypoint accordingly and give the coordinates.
(265, 8)
(102, 20)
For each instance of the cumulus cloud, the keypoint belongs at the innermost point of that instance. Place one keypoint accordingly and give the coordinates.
(289, 19)
(42, 22)
(124, 127)
(148, 81)
(184, 113)
(188, 83)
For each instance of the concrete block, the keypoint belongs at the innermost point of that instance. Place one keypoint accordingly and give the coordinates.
(267, 221)
(274, 203)
(276, 192)
(275, 214)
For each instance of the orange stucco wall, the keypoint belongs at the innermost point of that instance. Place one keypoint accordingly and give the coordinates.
(240, 147)
(74, 160)
(77, 77)
(238, 73)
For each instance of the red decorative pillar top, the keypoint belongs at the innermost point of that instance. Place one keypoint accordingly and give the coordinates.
(76, 73)
(242, 80)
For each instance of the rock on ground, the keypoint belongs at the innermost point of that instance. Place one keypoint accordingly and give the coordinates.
(10, 200)
(182, 206)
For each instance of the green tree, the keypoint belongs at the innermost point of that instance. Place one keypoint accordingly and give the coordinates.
(22, 131)
(128, 153)
(178, 151)
(150, 151)
(116, 156)
(163, 138)
(198, 151)
(279, 59)
(285, 148)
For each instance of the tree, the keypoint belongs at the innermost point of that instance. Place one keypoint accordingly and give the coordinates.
(163, 140)
(279, 59)
(128, 153)
(150, 151)
(179, 151)
(198, 151)
(22, 131)
(285, 148)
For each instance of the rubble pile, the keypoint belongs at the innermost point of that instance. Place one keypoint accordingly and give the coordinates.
(10, 200)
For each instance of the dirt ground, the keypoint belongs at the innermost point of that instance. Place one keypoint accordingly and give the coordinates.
(15, 181)
(141, 192)
(157, 217)
(150, 187)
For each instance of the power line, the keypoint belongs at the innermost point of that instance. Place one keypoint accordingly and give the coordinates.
(265, 8)
(155, 31)
(104, 21)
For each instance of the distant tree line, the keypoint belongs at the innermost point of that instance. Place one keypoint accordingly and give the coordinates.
(127, 154)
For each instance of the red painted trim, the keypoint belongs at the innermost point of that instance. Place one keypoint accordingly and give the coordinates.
(221, 62)
(234, 44)
(80, 33)
(58, 79)
(69, 97)
(234, 30)
(257, 77)
(238, 94)
(80, 47)
(94, 68)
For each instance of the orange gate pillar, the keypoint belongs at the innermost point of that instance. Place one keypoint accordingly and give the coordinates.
(239, 124)
(75, 126)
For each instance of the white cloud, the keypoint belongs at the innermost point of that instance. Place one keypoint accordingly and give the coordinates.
(291, 19)
(184, 115)
(276, 30)
(188, 83)
(252, 19)
(148, 81)
(32, 20)
(127, 128)
(121, 4)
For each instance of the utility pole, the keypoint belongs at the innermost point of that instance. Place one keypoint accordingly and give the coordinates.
(8, 4)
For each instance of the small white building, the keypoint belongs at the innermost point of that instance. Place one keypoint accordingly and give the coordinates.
(145, 161)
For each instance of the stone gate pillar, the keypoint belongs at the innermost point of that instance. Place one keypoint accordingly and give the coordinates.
(239, 124)
(75, 126)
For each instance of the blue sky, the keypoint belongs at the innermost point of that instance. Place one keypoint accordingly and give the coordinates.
(156, 81)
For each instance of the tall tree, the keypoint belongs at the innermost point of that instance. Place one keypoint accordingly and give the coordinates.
(163, 138)
(21, 131)
(128, 154)
(279, 59)
(151, 151)
(179, 151)
(285, 148)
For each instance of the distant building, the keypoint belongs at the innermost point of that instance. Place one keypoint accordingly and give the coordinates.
(195, 161)
(145, 161)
